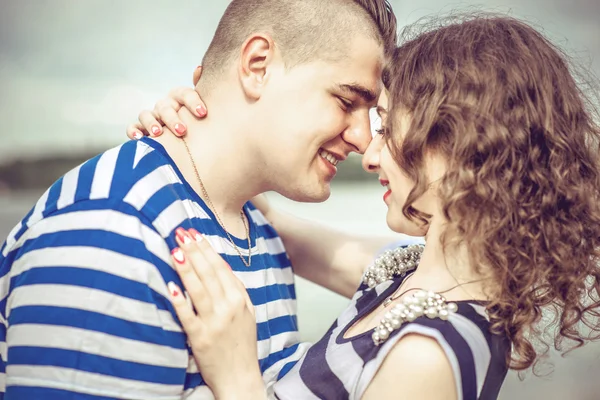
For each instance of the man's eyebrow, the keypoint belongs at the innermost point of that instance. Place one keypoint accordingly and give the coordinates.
(367, 95)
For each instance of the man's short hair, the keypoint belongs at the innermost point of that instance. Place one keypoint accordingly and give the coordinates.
(304, 30)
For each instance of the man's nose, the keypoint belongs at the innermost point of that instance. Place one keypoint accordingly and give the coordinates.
(359, 134)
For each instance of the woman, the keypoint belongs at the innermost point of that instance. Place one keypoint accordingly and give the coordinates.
(490, 151)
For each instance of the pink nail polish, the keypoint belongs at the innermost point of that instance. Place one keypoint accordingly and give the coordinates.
(155, 130)
(178, 255)
(180, 128)
(183, 236)
(201, 111)
(137, 135)
(173, 289)
(196, 235)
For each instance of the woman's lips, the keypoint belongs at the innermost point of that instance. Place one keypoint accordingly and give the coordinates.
(386, 195)
(389, 192)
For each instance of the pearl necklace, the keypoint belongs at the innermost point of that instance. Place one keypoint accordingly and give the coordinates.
(422, 303)
(397, 263)
(393, 263)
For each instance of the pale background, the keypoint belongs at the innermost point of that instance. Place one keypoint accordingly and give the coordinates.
(74, 73)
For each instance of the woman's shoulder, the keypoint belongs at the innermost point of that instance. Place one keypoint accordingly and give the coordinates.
(450, 337)
(426, 358)
(462, 328)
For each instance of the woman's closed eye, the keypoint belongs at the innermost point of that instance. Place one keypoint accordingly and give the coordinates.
(381, 131)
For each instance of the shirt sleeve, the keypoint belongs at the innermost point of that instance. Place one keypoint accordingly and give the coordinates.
(87, 313)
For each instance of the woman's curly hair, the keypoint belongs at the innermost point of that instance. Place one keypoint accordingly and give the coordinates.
(522, 190)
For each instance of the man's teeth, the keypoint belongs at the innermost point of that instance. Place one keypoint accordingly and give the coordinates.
(329, 157)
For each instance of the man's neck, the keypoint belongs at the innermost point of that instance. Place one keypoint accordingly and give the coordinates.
(229, 170)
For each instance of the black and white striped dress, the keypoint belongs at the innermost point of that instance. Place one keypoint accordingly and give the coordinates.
(342, 368)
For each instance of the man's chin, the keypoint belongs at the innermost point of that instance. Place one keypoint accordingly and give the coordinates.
(319, 199)
(317, 195)
(320, 195)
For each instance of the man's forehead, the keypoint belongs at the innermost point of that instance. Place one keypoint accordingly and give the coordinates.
(361, 74)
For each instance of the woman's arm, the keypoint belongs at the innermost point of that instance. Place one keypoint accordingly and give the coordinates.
(219, 322)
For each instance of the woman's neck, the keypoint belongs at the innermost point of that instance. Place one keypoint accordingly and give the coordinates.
(443, 267)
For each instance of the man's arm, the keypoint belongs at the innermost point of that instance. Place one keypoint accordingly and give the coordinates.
(87, 311)
(325, 256)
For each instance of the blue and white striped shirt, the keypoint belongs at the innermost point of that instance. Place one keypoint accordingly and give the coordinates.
(84, 303)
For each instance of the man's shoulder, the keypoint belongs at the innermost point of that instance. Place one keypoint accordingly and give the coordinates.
(131, 180)
(133, 174)
(128, 169)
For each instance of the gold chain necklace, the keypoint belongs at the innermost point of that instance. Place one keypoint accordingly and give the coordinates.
(211, 205)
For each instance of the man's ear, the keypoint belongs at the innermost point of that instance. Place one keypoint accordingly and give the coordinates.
(257, 54)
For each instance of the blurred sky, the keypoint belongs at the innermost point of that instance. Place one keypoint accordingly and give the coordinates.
(74, 73)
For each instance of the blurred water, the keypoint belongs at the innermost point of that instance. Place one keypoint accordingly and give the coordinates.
(359, 208)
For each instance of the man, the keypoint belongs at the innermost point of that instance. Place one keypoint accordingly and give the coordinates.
(85, 309)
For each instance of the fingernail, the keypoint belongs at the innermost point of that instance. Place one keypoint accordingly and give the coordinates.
(180, 128)
(155, 129)
(137, 135)
(201, 111)
(196, 235)
(183, 236)
(173, 290)
(178, 255)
